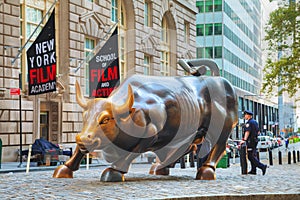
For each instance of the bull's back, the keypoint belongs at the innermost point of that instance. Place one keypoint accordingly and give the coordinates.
(189, 95)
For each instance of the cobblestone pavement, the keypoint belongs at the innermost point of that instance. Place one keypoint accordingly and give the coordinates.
(279, 180)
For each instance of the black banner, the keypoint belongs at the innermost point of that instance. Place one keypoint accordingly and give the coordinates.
(104, 74)
(41, 60)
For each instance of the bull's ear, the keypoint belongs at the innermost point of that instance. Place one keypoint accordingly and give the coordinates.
(127, 106)
(79, 98)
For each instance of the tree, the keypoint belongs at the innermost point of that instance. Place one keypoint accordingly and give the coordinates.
(282, 68)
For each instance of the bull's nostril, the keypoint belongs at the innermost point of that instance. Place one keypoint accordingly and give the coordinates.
(89, 136)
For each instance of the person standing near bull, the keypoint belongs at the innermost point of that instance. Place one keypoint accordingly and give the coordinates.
(251, 132)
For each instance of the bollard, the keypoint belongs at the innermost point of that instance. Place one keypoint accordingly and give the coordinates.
(270, 157)
(182, 162)
(243, 158)
(233, 158)
(192, 160)
(87, 161)
(28, 158)
(289, 157)
(280, 157)
(298, 156)
(294, 156)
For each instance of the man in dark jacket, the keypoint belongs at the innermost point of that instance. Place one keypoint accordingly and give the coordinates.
(251, 131)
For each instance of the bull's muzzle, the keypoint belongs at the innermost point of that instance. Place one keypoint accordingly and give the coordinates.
(87, 144)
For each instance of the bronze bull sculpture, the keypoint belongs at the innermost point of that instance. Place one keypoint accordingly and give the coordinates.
(166, 115)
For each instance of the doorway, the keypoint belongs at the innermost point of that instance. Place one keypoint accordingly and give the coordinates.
(44, 125)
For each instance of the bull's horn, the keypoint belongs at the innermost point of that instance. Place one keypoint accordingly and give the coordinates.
(127, 106)
(79, 98)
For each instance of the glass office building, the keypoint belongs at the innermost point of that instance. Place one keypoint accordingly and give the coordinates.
(230, 33)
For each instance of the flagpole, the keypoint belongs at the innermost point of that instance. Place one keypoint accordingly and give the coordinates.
(20, 110)
(20, 51)
(85, 60)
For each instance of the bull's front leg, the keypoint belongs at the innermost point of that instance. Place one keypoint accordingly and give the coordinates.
(66, 170)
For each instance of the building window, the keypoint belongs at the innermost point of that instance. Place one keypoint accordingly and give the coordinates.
(122, 57)
(200, 6)
(218, 5)
(33, 17)
(208, 29)
(218, 52)
(118, 13)
(208, 52)
(164, 55)
(30, 17)
(147, 64)
(164, 63)
(209, 6)
(89, 45)
(114, 10)
(200, 52)
(147, 14)
(186, 32)
(218, 29)
(200, 30)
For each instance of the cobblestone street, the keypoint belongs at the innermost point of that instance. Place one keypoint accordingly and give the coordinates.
(279, 179)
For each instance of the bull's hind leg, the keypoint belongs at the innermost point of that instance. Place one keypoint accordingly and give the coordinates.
(66, 170)
(207, 170)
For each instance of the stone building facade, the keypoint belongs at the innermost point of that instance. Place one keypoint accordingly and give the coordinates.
(153, 35)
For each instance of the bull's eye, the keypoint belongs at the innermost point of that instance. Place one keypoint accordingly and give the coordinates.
(104, 121)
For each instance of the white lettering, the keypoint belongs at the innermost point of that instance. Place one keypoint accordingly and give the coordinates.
(52, 58)
(43, 88)
(39, 61)
(106, 84)
(31, 61)
(44, 47)
(106, 58)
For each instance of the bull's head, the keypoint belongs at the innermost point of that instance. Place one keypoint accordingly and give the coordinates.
(100, 120)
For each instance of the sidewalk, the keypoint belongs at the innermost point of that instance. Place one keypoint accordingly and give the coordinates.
(16, 167)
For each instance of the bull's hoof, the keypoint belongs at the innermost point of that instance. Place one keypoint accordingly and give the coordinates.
(156, 169)
(63, 171)
(206, 173)
(112, 175)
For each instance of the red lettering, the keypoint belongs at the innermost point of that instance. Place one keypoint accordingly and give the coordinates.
(101, 76)
(93, 75)
(51, 72)
(37, 76)
(113, 73)
(102, 92)
(32, 75)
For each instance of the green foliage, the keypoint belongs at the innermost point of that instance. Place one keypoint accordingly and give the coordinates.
(282, 69)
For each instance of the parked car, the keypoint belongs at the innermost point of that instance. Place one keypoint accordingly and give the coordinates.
(264, 143)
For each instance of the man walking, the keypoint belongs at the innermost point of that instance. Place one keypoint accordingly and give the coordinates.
(251, 131)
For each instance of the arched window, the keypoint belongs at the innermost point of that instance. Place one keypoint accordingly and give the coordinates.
(118, 14)
(165, 49)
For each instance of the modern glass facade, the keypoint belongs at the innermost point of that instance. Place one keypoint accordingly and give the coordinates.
(229, 32)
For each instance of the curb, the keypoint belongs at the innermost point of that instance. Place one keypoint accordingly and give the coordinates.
(240, 197)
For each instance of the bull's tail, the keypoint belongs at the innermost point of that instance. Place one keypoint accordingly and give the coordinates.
(197, 67)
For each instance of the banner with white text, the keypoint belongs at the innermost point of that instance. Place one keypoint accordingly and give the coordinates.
(41, 60)
(104, 75)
